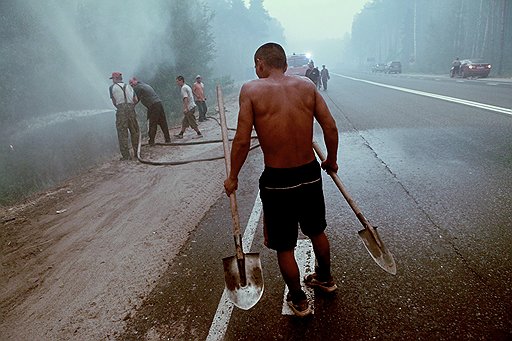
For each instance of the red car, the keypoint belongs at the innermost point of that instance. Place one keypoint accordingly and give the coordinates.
(474, 68)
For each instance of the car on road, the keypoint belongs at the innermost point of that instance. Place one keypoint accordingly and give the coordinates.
(379, 67)
(394, 67)
(297, 64)
(474, 68)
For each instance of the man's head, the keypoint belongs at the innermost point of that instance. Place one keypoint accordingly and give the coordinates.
(134, 81)
(117, 77)
(323, 66)
(180, 80)
(198, 78)
(269, 56)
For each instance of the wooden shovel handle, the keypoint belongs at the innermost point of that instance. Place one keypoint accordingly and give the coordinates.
(232, 197)
(345, 194)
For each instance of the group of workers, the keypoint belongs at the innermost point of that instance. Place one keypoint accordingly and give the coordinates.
(125, 96)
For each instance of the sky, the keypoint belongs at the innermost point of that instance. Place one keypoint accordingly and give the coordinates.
(315, 26)
(314, 19)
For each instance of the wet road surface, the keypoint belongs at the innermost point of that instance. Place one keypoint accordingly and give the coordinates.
(434, 176)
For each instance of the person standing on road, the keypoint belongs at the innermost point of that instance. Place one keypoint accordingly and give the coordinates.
(156, 114)
(124, 98)
(456, 67)
(313, 73)
(324, 75)
(189, 108)
(282, 110)
(199, 98)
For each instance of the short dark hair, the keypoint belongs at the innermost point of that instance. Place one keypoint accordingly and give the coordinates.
(273, 54)
(180, 78)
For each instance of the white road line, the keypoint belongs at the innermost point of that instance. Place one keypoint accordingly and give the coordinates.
(306, 261)
(225, 308)
(427, 94)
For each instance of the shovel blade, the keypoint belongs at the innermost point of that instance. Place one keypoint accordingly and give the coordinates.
(244, 297)
(378, 250)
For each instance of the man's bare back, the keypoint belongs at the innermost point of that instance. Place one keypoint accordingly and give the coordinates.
(283, 108)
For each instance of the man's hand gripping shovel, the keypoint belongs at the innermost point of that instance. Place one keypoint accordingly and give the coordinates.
(242, 272)
(369, 235)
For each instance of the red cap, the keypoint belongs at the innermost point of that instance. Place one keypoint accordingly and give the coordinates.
(116, 75)
(133, 81)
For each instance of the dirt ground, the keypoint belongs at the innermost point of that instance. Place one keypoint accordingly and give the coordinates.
(76, 260)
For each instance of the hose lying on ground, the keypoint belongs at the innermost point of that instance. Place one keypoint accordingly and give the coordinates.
(175, 163)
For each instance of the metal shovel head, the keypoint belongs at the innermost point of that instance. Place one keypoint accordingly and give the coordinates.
(244, 296)
(378, 251)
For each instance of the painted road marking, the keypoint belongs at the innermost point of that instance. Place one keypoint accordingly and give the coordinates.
(225, 308)
(428, 94)
(306, 261)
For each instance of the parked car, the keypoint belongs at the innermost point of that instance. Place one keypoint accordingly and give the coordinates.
(394, 67)
(474, 68)
(297, 64)
(379, 67)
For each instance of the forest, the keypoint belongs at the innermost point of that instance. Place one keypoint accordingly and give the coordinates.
(58, 55)
(427, 35)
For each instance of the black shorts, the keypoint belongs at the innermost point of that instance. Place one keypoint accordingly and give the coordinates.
(292, 197)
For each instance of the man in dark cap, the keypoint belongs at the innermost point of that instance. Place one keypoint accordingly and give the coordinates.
(156, 114)
(124, 99)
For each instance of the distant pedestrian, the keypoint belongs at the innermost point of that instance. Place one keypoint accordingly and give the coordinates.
(189, 108)
(156, 114)
(324, 75)
(199, 98)
(124, 98)
(313, 73)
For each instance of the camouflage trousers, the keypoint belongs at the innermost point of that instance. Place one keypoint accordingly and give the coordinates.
(126, 120)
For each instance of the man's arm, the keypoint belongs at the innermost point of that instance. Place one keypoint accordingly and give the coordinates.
(111, 92)
(242, 141)
(328, 125)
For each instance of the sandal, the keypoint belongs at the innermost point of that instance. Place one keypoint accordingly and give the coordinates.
(312, 281)
(299, 307)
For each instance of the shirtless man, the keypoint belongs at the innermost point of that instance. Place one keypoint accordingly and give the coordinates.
(282, 109)
(199, 98)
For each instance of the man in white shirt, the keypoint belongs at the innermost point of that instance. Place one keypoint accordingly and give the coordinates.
(189, 108)
(123, 98)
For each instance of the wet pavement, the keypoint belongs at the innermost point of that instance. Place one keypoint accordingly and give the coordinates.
(434, 176)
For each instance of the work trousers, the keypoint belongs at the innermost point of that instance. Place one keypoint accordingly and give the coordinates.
(126, 121)
(201, 105)
(156, 116)
(189, 120)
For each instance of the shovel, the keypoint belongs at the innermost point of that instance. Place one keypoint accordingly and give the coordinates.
(369, 235)
(242, 272)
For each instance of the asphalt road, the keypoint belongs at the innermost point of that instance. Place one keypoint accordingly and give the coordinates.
(435, 176)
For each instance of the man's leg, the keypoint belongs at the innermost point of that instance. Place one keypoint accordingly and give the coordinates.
(133, 126)
(296, 298)
(184, 126)
(322, 251)
(161, 120)
(152, 127)
(289, 270)
(122, 134)
(192, 121)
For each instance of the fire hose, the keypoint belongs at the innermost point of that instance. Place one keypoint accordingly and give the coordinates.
(175, 163)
